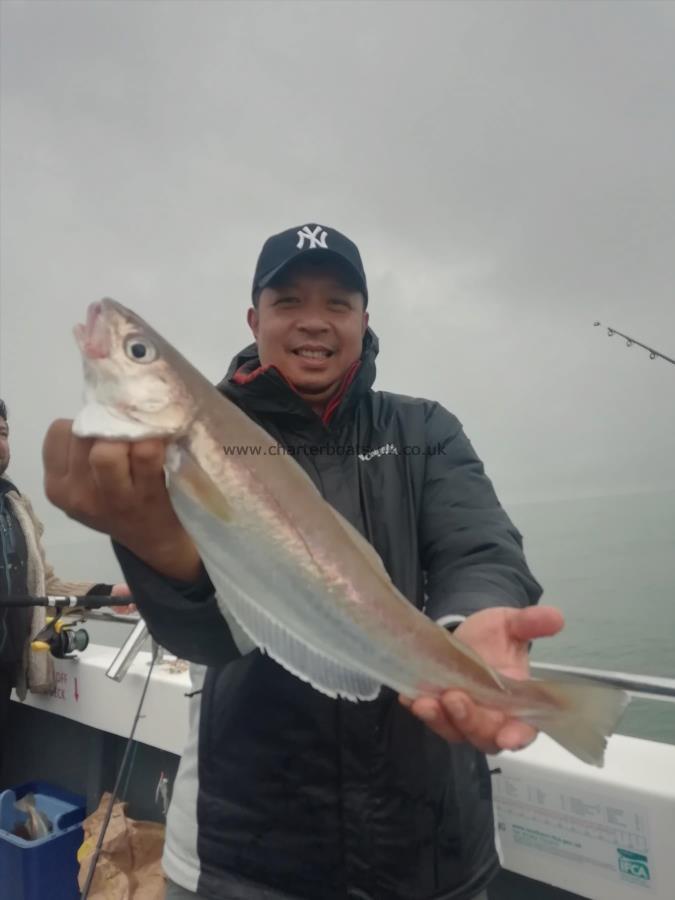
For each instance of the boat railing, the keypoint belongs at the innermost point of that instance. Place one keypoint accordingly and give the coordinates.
(648, 687)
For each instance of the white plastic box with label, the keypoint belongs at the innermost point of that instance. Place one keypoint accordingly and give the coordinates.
(605, 834)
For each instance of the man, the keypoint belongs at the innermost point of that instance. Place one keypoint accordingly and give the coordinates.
(24, 570)
(283, 792)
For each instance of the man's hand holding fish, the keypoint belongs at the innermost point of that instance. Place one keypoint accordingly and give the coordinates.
(118, 487)
(502, 637)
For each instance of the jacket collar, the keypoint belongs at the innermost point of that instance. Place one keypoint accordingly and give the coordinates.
(6, 486)
(263, 389)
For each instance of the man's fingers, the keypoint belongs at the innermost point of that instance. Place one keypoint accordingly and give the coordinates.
(109, 462)
(430, 711)
(535, 622)
(56, 448)
(515, 735)
(477, 724)
(67, 479)
(118, 488)
(456, 718)
(78, 457)
(147, 465)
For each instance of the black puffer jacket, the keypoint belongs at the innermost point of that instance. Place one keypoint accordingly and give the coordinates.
(324, 799)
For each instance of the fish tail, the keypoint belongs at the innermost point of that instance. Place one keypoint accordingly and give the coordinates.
(580, 714)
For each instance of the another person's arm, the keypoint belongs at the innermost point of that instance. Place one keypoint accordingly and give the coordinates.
(55, 585)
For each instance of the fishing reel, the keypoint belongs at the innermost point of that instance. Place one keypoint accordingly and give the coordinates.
(60, 638)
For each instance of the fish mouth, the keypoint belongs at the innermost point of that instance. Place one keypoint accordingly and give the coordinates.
(93, 338)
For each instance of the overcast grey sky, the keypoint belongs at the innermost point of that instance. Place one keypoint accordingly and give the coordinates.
(507, 169)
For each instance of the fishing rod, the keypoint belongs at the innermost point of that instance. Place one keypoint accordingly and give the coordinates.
(59, 637)
(21, 601)
(653, 354)
(93, 861)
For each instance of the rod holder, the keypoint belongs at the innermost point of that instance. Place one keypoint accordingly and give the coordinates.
(119, 667)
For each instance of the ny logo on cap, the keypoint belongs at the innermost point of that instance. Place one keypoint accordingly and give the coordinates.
(316, 238)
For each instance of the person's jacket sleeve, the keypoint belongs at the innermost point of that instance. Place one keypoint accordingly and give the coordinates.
(471, 552)
(53, 583)
(182, 617)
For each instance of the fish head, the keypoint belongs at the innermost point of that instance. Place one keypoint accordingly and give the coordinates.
(132, 390)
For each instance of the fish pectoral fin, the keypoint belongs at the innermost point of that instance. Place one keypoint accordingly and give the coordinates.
(193, 480)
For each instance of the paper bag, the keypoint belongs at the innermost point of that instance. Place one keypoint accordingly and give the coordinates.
(129, 865)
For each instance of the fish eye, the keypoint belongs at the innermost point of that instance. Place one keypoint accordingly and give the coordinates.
(140, 349)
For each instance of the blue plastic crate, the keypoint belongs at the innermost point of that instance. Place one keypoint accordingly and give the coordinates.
(44, 869)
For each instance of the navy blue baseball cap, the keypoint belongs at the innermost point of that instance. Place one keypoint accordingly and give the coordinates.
(310, 240)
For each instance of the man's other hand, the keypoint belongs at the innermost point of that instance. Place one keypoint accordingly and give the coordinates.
(501, 636)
